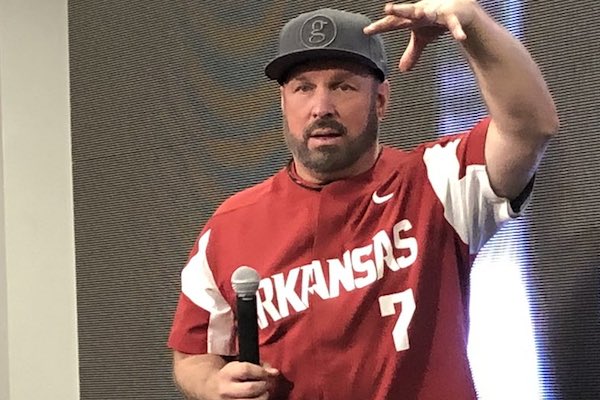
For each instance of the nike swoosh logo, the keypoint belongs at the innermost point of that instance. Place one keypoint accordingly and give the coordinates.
(380, 200)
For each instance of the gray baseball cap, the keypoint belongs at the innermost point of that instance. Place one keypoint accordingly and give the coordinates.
(327, 34)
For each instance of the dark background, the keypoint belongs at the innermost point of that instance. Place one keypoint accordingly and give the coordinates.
(171, 114)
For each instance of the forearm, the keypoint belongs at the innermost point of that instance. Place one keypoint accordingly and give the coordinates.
(194, 374)
(512, 85)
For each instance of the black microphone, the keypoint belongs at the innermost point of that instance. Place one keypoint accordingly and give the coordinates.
(245, 282)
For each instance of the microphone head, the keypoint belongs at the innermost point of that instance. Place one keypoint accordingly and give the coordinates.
(245, 281)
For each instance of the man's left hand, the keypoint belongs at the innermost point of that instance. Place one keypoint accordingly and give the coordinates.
(427, 20)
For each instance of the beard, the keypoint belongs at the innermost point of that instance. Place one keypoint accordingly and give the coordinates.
(328, 159)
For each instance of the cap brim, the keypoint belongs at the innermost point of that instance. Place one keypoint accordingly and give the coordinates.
(278, 68)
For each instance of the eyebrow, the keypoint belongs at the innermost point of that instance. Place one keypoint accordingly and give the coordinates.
(300, 77)
(337, 77)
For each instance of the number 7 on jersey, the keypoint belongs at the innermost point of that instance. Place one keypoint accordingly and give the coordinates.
(387, 307)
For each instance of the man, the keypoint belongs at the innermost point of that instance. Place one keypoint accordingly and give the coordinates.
(364, 251)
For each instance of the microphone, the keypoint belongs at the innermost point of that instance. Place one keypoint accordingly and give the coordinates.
(245, 282)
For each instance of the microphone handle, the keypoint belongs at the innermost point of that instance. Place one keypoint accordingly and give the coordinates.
(247, 329)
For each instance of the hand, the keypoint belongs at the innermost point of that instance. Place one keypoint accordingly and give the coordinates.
(242, 380)
(427, 20)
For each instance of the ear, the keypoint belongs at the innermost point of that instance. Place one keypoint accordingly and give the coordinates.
(281, 99)
(383, 98)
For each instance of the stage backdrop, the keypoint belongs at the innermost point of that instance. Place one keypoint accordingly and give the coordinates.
(171, 114)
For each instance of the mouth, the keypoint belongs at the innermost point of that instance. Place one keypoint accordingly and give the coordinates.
(325, 137)
(325, 134)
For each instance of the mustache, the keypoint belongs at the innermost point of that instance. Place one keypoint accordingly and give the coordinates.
(325, 123)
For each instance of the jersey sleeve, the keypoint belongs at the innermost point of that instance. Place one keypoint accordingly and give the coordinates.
(204, 321)
(457, 172)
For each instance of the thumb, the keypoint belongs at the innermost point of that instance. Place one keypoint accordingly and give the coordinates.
(412, 53)
(270, 370)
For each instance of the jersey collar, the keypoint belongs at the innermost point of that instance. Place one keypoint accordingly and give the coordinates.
(293, 174)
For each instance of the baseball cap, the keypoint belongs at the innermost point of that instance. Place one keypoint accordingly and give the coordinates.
(327, 34)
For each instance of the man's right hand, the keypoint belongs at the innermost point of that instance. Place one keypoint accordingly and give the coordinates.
(242, 380)
(211, 377)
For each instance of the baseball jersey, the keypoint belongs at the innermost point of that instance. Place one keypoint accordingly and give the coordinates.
(364, 285)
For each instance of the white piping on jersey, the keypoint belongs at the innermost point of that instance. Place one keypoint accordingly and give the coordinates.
(198, 284)
(470, 205)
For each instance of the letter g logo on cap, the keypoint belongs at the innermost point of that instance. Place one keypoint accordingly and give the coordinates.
(318, 31)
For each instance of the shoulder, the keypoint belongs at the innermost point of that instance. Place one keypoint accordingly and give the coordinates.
(444, 143)
(395, 158)
(399, 156)
(477, 134)
(466, 148)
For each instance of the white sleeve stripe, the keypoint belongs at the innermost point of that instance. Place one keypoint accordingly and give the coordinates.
(198, 284)
(470, 205)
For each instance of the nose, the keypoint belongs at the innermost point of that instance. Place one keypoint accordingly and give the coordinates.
(323, 104)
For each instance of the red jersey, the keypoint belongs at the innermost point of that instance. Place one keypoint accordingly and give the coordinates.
(365, 281)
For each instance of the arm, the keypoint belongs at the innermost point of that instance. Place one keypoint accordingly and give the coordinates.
(198, 373)
(211, 377)
(194, 374)
(523, 113)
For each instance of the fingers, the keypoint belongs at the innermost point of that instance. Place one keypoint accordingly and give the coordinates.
(244, 390)
(419, 39)
(400, 16)
(455, 27)
(243, 371)
(410, 11)
(241, 380)
(271, 372)
(387, 24)
(411, 54)
(418, 15)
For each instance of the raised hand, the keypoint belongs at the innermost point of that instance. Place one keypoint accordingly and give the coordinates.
(427, 20)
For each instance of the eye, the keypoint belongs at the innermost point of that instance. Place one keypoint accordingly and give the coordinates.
(302, 88)
(345, 87)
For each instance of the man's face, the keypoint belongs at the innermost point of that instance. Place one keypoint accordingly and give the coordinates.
(331, 116)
